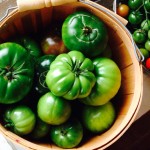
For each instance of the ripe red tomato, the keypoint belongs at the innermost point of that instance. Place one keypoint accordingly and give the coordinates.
(123, 10)
(147, 63)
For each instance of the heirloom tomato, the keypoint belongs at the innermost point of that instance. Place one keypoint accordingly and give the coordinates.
(16, 73)
(71, 75)
(20, 119)
(108, 82)
(85, 32)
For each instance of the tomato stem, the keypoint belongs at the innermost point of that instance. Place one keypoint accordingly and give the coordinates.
(146, 13)
(87, 30)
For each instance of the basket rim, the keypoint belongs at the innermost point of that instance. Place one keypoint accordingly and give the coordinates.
(128, 120)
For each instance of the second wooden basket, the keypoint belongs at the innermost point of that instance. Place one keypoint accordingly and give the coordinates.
(130, 94)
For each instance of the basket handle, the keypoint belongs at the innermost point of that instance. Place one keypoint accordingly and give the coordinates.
(24, 5)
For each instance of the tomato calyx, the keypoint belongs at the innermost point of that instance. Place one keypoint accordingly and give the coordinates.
(9, 124)
(63, 132)
(7, 72)
(77, 70)
(87, 30)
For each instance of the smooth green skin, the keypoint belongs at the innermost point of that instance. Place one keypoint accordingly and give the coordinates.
(145, 25)
(16, 73)
(147, 45)
(20, 119)
(82, 31)
(148, 34)
(71, 76)
(107, 84)
(30, 45)
(67, 135)
(145, 52)
(135, 4)
(40, 130)
(98, 119)
(139, 36)
(107, 52)
(41, 69)
(135, 17)
(53, 110)
(147, 5)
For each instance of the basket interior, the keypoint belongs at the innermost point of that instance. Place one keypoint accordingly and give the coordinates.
(128, 97)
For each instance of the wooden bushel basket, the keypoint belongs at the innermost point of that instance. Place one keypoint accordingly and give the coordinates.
(129, 97)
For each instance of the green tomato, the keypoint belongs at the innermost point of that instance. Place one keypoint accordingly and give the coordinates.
(40, 130)
(145, 25)
(20, 119)
(31, 45)
(135, 17)
(53, 110)
(85, 32)
(107, 52)
(135, 4)
(67, 135)
(71, 76)
(147, 5)
(147, 45)
(16, 73)
(145, 52)
(41, 68)
(98, 119)
(108, 82)
(149, 34)
(139, 36)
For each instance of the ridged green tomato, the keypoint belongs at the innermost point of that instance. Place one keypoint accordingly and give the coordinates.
(108, 82)
(71, 75)
(16, 73)
(20, 119)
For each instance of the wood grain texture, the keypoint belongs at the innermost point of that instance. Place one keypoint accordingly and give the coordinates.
(127, 100)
